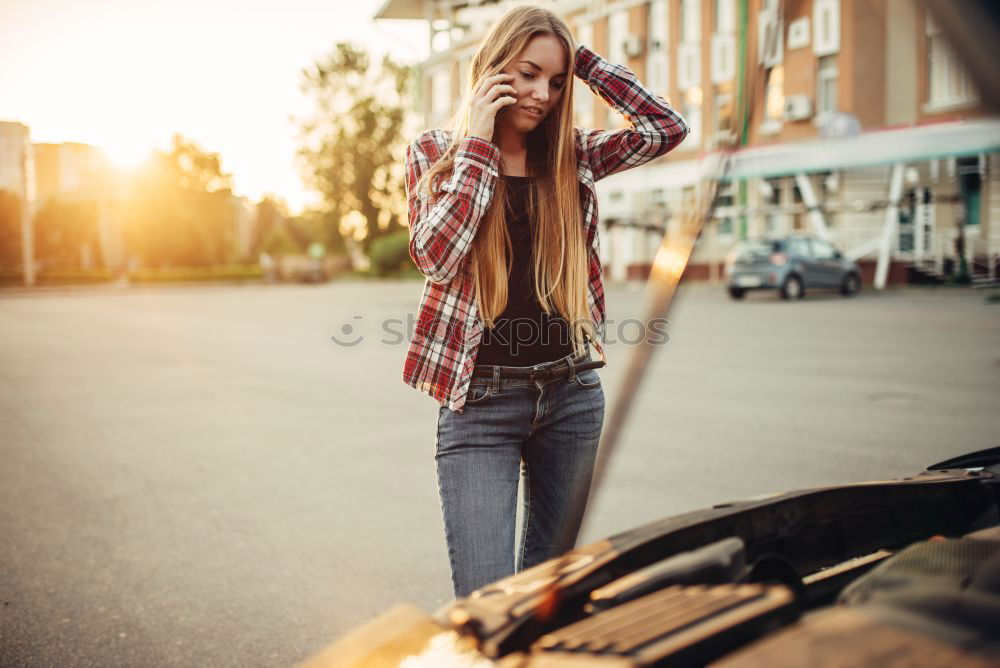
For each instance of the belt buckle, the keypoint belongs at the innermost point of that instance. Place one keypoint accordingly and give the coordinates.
(548, 373)
(539, 374)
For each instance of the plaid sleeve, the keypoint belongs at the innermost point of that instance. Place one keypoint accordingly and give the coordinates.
(655, 127)
(441, 233)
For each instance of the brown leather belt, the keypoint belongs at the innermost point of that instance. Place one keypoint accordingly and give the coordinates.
(555, 371)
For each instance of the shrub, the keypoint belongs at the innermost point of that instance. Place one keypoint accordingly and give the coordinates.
(391, 253)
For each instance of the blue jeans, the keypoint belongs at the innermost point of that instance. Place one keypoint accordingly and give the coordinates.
(549, 431)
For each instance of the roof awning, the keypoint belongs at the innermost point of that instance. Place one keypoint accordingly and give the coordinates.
(953, 139)
(401, 9)
(882, 147)
(414, 9)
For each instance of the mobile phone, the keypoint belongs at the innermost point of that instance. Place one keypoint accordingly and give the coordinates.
(505, 108)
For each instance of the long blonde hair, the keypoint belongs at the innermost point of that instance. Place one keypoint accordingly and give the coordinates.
(561, 266)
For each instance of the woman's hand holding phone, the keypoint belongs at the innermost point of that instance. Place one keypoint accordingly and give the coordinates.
(491, 97)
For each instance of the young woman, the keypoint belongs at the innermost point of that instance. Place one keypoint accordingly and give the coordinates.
(503, 223)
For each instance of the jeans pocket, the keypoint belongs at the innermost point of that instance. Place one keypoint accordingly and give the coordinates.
(478, 393)
(588, 379)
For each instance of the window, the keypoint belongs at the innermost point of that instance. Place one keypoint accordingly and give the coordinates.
(657, 59)
(821, 250)
(826, 22)
(771, 196)
(689, 50)
(770, 37)
(688, 66)
(970, 188)
(617, 31)
(725, 16)
(724, 204)
(948, 83)
(440, 92)
(774, 100)
(723, 57)
(725, 197)
(798, 247)
(826, 86)
(907, 209)
(828, 184)
(798, 217)
(691, 21)
(692, 114)
(583, 99)
(723, 111)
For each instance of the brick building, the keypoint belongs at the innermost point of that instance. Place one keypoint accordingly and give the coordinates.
(862, 125)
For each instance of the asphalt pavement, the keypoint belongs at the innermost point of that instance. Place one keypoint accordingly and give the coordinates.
(201, 476)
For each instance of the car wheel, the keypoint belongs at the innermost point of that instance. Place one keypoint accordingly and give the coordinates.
(851, 285)
(737, 293)
(792, 288)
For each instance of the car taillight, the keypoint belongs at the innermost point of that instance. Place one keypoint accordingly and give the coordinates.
(778, 259)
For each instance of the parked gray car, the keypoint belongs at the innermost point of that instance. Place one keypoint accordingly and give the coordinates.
(791, 265)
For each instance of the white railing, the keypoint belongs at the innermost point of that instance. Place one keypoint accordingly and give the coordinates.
(979, 249)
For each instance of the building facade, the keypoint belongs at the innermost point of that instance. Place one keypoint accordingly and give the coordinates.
(17, 176)
(914, 159)
(39, 173)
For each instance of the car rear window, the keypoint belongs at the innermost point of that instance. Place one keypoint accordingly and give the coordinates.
(757, 250)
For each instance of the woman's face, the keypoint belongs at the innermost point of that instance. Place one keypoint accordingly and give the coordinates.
(540, 73)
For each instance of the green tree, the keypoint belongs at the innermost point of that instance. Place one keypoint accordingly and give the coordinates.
(351, 145)
(180, 209)
(390, 253)
(322, 226)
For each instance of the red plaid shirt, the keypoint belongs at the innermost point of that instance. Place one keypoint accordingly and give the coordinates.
(446, 335)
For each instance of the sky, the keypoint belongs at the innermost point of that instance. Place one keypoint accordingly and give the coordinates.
(125, 75)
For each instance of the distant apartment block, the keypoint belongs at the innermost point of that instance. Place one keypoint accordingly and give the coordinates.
(69, 169)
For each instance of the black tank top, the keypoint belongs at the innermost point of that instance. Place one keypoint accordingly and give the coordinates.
(523, 334)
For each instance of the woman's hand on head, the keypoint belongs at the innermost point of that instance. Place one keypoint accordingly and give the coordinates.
(492, 95)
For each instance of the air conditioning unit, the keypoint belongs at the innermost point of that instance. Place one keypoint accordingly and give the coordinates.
(798, 33)
(633, 46)
(770, 38)
(798, 108)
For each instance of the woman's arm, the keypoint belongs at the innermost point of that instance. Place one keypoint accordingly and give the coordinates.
(656, 128)
(441, 233)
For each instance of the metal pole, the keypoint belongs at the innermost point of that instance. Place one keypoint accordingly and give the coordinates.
(742, 107)
(812, 206)
(889, 229)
